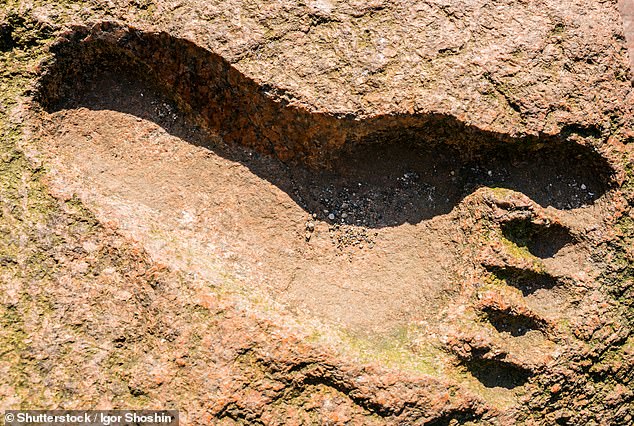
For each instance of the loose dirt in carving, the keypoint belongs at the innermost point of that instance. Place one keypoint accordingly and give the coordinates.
(372, 246)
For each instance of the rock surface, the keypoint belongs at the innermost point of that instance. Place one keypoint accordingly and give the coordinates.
(520, 113)
(627, 12)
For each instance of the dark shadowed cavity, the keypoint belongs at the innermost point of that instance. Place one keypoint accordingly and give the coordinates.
(498, 374)
(527, 281)
(388, 172)
(516, 324)
(540, 240)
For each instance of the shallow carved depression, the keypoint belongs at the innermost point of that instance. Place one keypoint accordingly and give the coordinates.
(351, 219)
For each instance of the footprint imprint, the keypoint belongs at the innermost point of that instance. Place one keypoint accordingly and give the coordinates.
(207, 157)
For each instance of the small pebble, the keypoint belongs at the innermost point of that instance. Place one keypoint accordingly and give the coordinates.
(583, 186)
(331, 216)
